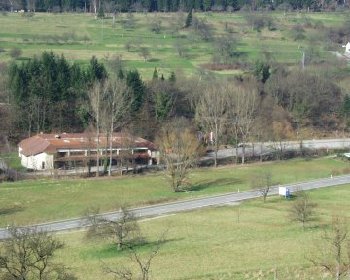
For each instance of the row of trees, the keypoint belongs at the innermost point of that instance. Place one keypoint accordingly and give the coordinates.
(49, 94)
(166, 5)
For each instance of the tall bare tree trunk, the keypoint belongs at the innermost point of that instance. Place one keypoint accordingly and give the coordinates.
(111, 149)
(216, 145)
(98, 140)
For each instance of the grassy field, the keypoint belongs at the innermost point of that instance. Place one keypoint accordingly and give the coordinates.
(34, 201)
(80, 36)
(212, 243)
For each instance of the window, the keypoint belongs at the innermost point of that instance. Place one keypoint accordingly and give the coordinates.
(43, 165)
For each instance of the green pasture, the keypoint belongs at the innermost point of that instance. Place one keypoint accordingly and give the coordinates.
(80, 36)
(35, 201)
(213, 244)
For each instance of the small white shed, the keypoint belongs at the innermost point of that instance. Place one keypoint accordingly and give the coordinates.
(347, 48)
(285, 191)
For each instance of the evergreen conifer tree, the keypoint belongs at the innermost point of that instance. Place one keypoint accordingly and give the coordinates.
(100, 13)
(155, 74)
(172, 77)
(189, 19)
(134, 82)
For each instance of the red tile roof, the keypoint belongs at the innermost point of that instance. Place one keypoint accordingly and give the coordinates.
(50, 143)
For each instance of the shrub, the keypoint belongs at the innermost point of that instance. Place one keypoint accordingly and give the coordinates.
(15, 53)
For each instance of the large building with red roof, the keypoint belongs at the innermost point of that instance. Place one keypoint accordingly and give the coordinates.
(70, 150)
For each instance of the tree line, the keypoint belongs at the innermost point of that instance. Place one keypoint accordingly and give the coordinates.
(167, 5)
(47, 93)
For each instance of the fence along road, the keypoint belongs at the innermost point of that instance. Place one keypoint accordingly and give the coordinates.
(186, 205)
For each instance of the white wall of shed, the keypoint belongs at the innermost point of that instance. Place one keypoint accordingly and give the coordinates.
(36, 162)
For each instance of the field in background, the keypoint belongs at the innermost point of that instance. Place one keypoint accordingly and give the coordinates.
(80, 36)
(213, 244)
(35, 201)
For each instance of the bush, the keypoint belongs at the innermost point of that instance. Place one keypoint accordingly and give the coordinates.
(340, 34)
(257, 22)
(319, 25)
(284, 7)
(11, 175)
(298, 33)
(100, 13)
(156, 26)
(15, 53)
(28, 14)
(203, 29)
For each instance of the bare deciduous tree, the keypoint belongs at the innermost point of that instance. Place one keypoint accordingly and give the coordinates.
(126, 156)
(225, 49)
(333, 252)
(97, 95)
(244, 100)
(145, 53)
(262, 123)
(180, 48)
(302, 209)
(129, 22)
(95, 4)
(282, 131)
(143, 263)
(28, 254)
(262, 183)
(124, 231)
(128, 45)
(202, 28)
(212, 111)
(179, 150)
(156, 25)
(118, 102)
(15, 53)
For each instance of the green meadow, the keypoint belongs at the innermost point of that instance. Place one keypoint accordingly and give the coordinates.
(254, 240)
(80, 36)
(213, 243)
(35, 201)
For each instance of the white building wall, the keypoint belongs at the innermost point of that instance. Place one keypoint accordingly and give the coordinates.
(41, 161)
(347, 47)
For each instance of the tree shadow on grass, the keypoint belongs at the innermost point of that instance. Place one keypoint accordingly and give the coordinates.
(10, 210)
(110, 250)
(153, 60)
(214, 183)
(23, 58)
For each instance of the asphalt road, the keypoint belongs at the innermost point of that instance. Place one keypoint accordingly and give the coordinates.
(186, 205)
(268, 147)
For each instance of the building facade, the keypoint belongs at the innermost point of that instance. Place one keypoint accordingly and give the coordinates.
(74, 150)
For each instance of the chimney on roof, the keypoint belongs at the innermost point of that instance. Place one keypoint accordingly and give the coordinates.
(57, 136)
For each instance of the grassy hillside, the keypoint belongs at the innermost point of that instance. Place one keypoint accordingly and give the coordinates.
(34, 201)
(80, 36)
(213, 244)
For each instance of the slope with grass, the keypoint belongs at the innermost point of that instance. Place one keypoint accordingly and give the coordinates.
(214, 244)
(80, 36)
